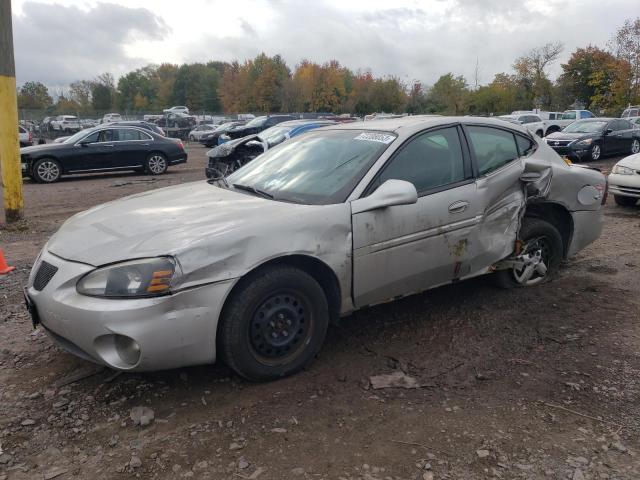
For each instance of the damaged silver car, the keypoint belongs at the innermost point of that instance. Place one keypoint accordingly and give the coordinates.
(252, 268)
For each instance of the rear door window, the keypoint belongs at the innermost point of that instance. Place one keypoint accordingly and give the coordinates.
(493, 148)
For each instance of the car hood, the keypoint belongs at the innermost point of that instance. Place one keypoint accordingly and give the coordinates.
(166, 221)
(632, 161)
(227, 148)
(43, 147)
(570, 136)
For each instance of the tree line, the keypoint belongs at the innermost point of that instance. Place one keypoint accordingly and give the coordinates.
(602, 79)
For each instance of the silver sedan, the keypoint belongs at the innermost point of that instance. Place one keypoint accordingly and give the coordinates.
(251, 268)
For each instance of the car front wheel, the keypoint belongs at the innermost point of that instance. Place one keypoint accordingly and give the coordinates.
(156, 164)
(542, 249)
(596, 152)
(635, 146)
(274, 324)
(47, 170)
(625, 201)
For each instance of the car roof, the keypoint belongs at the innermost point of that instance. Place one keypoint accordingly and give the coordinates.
(304, 121)
(599, 119)
(414, 123)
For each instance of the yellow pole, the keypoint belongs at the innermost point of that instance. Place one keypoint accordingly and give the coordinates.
(9, 141)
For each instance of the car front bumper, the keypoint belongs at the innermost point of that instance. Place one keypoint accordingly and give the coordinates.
(624, 185)
(127, 334)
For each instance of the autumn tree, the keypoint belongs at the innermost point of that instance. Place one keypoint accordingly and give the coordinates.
(34, 95)
(626, 47)
(530, 70)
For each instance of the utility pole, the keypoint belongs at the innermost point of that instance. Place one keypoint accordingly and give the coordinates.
(9, 142)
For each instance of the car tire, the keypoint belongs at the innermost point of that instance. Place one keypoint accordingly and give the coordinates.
(274, 324)
(535, 233)
(625, 201)
(539, 133)
(156, 164)
(46, 170)
(596, 152)
(192, 138)
(635, 146)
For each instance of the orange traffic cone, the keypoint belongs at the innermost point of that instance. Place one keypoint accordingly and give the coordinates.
(4, 268)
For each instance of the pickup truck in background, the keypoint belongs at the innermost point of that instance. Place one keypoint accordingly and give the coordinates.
(531, 121)
(568, 117)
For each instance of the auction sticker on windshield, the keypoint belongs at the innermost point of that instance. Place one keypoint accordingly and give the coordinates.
(376, 137)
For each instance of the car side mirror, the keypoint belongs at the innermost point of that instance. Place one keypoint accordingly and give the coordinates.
(84, 143)
(391, 193)
(608, 131)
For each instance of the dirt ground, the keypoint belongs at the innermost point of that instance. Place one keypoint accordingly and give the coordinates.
(534, 383)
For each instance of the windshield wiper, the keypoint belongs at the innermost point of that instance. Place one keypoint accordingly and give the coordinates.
(249, 188)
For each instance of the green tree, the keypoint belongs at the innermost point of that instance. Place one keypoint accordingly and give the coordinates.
(34, 95)
(80, 93)
(103, 92)
(449, 94)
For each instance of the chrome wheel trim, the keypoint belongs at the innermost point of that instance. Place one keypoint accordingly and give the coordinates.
(635, 146)
(157, 164)
(537, 257)
(48, 171)
(595, 152)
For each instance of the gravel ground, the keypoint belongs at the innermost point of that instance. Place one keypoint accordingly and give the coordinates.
(534, 383)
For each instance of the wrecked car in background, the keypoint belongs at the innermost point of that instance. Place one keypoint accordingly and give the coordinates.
(251, 268)
(228, 157)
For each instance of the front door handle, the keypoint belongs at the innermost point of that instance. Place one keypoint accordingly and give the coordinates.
(458, 207)
(107, 146)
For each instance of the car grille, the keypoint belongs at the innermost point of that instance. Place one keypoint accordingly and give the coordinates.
(45, 273)
(558, 143)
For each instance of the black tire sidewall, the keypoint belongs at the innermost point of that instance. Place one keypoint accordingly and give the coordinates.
(146, 163)
(34, 170)
(233, 333)
(533, 227)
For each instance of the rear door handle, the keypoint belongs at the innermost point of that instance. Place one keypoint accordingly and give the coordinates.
(458, 207)
(107, 145)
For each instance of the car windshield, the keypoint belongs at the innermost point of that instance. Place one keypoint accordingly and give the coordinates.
(78, 136)
(257, 122)
(585, 127)
(318, 168)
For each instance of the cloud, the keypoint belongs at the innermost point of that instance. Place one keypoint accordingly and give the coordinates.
(57, 44)
(411, 39)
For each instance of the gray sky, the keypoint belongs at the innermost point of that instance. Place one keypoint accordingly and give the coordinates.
(59, 41)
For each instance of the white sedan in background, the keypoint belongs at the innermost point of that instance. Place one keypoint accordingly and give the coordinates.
(624, 181)
(197, 133)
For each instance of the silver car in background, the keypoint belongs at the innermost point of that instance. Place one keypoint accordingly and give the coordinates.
(252, 268)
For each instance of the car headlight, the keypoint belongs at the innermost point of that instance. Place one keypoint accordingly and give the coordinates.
(147, 277)
(584, 143)
(620, 170)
